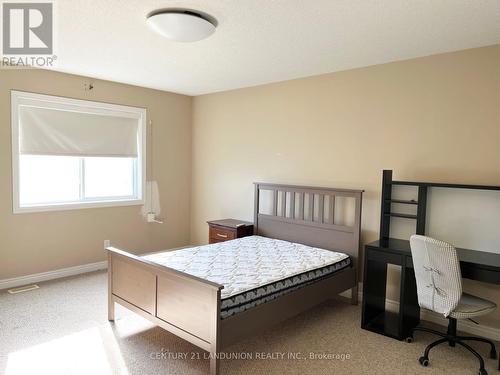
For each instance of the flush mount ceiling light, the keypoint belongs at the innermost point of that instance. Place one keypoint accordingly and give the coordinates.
(182, 25)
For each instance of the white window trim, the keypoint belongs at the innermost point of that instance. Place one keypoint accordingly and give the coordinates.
(57, 102)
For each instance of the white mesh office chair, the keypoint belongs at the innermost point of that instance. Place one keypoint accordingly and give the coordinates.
(439, 289)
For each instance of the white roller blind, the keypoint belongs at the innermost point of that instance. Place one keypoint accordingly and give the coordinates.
(46, 131)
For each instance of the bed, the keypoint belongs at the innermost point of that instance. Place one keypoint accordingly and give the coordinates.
(303, 252)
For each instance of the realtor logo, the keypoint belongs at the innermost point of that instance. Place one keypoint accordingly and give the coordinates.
(27, 28)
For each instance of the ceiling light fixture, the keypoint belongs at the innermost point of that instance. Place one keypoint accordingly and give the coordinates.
(182, 25)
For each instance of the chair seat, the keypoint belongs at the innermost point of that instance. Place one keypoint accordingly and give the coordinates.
(471, 306)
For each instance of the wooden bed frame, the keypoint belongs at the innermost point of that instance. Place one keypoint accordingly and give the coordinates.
(189, 306)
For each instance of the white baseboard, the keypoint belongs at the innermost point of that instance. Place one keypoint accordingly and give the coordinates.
(430, 316)
(57, 274)
(51, 275)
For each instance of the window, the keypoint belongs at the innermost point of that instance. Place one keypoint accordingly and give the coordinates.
(69, 153)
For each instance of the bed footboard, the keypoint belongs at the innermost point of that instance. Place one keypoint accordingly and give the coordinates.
(182, 304)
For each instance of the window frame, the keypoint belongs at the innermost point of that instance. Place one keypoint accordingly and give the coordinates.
(19, 98)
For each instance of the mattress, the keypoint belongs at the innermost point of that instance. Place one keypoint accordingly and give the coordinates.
(254, 269)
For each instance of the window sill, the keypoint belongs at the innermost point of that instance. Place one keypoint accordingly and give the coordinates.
(77, 206)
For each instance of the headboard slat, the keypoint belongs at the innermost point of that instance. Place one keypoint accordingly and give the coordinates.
(321, 208)
(292, 204)
(310, 210)
(331, 209)
(301, 206)
(283, 203)
(275, 202)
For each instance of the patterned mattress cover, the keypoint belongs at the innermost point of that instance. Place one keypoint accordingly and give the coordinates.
(254, 269)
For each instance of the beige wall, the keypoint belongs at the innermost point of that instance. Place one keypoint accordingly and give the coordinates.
(435, 118)
(38, 242)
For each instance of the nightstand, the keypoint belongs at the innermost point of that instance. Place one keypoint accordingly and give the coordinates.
(228, 229)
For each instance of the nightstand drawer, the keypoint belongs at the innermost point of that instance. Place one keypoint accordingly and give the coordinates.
(220, 234)
(228, 229)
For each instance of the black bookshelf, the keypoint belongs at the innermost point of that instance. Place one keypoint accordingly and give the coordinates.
(386, 212)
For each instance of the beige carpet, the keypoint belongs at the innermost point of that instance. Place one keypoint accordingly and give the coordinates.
(61, 328)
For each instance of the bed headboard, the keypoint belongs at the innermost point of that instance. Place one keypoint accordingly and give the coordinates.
(312, 216)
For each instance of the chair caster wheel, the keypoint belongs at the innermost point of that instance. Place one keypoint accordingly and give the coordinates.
(409, 339)
(493, 354)
(424, 361)
(482, 371)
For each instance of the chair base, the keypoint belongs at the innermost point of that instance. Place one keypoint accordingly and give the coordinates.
(452, 339)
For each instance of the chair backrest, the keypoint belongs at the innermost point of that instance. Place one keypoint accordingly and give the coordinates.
(437, 272)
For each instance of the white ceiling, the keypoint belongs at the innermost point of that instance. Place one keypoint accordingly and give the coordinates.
(262, 41)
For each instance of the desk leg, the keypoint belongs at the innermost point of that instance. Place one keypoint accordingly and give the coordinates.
(409, 308)
(374, 288)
